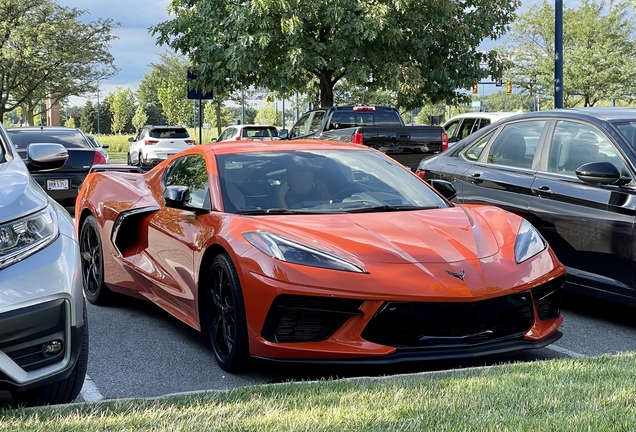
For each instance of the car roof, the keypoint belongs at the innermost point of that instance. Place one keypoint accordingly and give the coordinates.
(43, 129)
(228, 147)
(489, 115)
(605, 113)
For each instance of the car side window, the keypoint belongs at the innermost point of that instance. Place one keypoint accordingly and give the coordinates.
(516, 145)
(466, 128)
(300, 128)
(475, 150)
(191, 171)
(574, 144)
(482, 123)
(450, 128)
(316, 121)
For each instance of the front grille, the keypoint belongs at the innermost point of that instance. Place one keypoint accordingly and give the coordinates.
(294, 318)
(547, 298)
(24, 331)
(439, 324)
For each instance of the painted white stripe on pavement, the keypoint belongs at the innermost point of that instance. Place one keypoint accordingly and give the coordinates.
(565, 351)
(89, 391)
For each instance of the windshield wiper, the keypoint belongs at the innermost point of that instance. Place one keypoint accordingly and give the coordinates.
(390, 208)
(274, 211)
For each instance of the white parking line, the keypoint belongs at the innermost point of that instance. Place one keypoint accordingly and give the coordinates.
(89, 391)
(565, 351)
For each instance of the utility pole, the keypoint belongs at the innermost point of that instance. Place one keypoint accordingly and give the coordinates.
(558, 53)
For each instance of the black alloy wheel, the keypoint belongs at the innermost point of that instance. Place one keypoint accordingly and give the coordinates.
(227, 323)
(93, 263)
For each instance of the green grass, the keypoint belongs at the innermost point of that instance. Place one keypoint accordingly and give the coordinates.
(597, 394)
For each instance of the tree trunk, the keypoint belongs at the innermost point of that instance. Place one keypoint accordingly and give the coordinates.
(217, 107)
(326, 89)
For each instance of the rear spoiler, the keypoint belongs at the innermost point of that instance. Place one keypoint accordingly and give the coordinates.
(115, 167)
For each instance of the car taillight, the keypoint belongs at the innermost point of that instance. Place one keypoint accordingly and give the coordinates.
(444, 141)
(420, 174)
(357, 138)
(189, 142)
(150, 142)
(99, 159)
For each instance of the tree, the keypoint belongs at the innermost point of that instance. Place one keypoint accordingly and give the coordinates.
(122, 103)
(268, 115)
(89, 118)
(599, 51)
(209, 115)
(105, 118)
(418, 49)
(140, 118)
(47, 50)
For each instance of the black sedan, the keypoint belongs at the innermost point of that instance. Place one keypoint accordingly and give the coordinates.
(61, 184)
(571, 173)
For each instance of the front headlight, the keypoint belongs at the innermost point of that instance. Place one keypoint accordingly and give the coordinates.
(288, 250)
(529, 242)
(23, 237)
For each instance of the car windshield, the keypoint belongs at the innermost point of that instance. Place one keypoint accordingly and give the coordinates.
(319, 181)
(68, 138)
(169, 133)
(628, 130)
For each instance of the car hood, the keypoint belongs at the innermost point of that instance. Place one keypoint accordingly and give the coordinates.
(20, 195)
(427, 236)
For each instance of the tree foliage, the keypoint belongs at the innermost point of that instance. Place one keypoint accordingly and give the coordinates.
(268, 115)
(122, 103)
(140, 118)
(599, 51)
(421, 50)
(88, 121)
(48, 50)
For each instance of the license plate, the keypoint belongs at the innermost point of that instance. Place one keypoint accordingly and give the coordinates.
(57, 184)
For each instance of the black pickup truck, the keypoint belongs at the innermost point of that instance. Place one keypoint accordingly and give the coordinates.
(378, 127)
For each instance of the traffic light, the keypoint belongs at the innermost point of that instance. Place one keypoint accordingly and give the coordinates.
(508, 87)
(476, 88)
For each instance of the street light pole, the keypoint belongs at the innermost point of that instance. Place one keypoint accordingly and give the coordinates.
(98, 131)
(558, 53)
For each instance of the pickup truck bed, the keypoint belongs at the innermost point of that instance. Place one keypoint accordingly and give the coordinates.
(381, 128)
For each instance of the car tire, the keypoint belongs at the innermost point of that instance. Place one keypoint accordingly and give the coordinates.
(140, 160)
(92, 257)
(128, 159)
(227, 323)
(64, 391)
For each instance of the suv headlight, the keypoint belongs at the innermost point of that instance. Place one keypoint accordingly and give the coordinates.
(288, 250)
(23, 237)
(529, 242)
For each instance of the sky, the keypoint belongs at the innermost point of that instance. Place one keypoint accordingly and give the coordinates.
(135, 49)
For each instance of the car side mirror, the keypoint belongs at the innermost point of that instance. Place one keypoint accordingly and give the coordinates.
(283, 134)
(45, 156)
(131, 139)
(177, 196)
(215, 140)
(105, 146)
(445, 188)
(603, 173)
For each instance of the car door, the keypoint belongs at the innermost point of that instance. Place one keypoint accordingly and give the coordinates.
(300, 129)
(172, 238)
(589, 226)
(504, 171)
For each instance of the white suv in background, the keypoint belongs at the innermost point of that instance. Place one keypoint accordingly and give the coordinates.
(154, 144)
(462, 125)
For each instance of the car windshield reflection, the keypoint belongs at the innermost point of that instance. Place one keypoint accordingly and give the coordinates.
(319, 181)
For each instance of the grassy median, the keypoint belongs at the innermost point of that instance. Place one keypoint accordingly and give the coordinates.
(597, 394)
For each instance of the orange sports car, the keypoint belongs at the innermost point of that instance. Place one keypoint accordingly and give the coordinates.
(317, 252)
